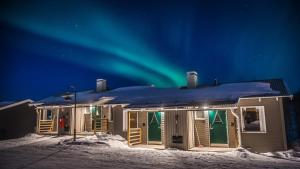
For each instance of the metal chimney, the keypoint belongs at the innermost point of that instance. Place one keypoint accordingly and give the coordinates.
(100, 85)
(192, 79)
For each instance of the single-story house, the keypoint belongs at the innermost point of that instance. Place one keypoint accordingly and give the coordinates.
(17, 118)
(242, 114)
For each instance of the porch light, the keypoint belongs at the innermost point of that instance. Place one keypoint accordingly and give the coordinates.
(205, 107)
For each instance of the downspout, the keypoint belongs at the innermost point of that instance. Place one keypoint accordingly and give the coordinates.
(239, 127)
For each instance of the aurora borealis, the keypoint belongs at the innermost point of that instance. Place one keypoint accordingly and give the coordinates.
(46, 46)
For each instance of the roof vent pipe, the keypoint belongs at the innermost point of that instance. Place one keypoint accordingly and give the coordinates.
(216, 81)
(192, 79)
(100, 85)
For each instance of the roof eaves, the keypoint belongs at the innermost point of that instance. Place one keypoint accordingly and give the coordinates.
(16, 104)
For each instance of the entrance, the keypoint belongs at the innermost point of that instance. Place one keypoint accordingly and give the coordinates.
(154, 127)
(218, 126)
(64, 121)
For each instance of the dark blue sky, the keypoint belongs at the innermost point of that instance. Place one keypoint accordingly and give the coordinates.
(47, 46)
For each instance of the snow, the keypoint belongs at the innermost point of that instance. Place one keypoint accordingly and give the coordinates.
(113, 141)
(149, 95)
(289, 155)
(28, 139)
(60, 152)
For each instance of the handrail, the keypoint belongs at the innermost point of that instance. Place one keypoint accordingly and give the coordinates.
(134, 136)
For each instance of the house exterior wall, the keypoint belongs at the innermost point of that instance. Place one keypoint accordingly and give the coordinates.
(201, 132)
(143, 124)
(232, 130)
(176, 129)
(274, 139)
(163, 128)
(17, 121)
(106, 110)
(118, 121)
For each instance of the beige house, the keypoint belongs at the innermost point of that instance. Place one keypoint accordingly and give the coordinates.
(244, 114)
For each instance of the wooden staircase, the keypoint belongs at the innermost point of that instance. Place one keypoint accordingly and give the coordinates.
(46, 126)
(134, 136)
(100, 124)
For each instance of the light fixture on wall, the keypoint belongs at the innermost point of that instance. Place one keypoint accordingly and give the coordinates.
(205, 107)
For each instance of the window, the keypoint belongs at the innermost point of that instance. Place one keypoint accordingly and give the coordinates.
(49, 114)
(253, 119)
(200, 115)
(87, 110)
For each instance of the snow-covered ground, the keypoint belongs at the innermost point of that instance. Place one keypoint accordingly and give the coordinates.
(106, 151)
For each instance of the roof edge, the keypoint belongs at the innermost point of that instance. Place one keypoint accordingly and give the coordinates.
(17, 103)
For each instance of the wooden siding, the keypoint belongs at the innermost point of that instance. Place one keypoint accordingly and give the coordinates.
(202, 127)
(274, 138)
(232, 130)
(142, 123)
(180, 130)
(203, 133)
(12, 127)
(118, 121)
(106, 114)
(162, 125)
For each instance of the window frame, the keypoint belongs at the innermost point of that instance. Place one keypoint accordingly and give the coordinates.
(201, 118)
(262, 119)
(51, 114)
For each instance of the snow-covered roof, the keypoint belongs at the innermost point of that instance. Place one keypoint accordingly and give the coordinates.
(149, 96)
(9, 104)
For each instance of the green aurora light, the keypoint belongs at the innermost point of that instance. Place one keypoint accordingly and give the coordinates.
(100, 32)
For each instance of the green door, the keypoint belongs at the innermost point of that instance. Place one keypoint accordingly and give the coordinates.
(218, 126)
(154, 126)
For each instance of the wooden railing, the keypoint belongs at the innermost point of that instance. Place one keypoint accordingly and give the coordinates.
(100, 124)
(46, 126)
(134, 136)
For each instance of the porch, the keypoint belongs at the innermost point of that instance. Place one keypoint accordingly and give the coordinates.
(146, 129)
(188, 129)
(53, 121)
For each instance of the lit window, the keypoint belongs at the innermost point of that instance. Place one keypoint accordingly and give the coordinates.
(253, 119)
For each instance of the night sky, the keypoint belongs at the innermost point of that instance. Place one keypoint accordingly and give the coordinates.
(47, 46)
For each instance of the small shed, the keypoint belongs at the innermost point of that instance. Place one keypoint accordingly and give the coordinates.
(17, 119)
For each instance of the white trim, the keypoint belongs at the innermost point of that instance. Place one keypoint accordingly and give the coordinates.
(198, 118)
(176, 109)
(147, 129)
(137, 120)
(125, 120)
(262, 119)
(262, 97)
(239, 127)
(227, 127)
(16, 104)
(110, 113)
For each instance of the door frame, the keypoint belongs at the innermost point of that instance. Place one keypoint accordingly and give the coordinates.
(217, 144)
(153, 142)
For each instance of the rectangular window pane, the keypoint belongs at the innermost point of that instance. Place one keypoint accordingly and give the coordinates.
(199, 114)
(251, 119)
(49, 115)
